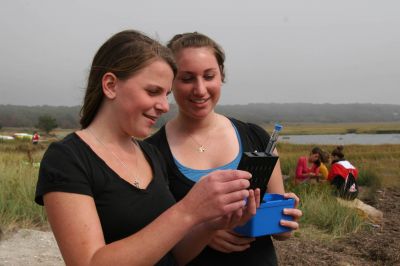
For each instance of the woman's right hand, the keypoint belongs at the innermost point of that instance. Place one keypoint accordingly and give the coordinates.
(217, 194)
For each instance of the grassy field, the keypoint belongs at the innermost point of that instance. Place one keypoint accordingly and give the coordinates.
(337, 128)
(18, 175)
(371, 160)
(378, 168)
(289, 129)
(378, 164)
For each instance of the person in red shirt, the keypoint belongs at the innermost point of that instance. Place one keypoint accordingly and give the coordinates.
(308, 167)
(35, 138)
(340, 168)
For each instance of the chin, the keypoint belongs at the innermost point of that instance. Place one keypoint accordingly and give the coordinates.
(200, 114)
(141, 133)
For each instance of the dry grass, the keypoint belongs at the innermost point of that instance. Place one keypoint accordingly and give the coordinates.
(337, 128)
(18, 171)
(382, 160)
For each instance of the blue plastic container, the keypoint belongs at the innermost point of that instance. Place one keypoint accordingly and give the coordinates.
(268, 216)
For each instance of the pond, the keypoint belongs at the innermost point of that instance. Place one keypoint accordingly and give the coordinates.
(364, 139)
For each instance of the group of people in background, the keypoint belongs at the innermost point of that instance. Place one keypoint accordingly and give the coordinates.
(320, 166)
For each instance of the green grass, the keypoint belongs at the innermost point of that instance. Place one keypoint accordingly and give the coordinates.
(337, 128)
(18, 176)
(378, 166)
(381, 161)
(322, 212)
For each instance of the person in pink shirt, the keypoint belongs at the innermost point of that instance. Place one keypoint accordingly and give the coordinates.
(308, 167)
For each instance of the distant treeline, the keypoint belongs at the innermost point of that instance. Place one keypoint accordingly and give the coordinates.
(259, 113)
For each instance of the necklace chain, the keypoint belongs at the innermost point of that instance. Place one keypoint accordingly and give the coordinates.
(135, 181)
(201, 147)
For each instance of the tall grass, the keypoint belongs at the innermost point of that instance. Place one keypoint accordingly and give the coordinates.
(378, 165)
(379, 162)
(322, 211)
(337, 128)
(18, 176)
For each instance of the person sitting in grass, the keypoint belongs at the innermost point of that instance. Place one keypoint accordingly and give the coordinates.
(307, 168)
(343, 175)
(323, 165)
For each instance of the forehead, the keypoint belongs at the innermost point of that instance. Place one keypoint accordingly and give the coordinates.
(158, 72)
(194, 57)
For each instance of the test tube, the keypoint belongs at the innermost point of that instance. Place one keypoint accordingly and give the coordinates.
(273, 139)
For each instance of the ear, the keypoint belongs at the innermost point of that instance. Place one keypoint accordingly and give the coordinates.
(109, 83)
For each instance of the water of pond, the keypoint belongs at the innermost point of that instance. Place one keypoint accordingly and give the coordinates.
(364, 139)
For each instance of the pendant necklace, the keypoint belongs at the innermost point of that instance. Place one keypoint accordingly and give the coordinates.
(201, 147)
(134, 142)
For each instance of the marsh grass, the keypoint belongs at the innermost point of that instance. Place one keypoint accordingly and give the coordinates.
(378, 167)
(338, 128)
(322, 212)
(18, 176)
(378, 164)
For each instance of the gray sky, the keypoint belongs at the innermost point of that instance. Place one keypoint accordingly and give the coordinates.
(336, 51)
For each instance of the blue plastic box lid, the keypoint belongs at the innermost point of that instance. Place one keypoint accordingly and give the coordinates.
(268, 216)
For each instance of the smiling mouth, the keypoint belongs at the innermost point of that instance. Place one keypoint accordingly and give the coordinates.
(199, 100)
(153, 118)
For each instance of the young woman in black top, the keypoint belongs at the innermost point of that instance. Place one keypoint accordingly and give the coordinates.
(106, 194)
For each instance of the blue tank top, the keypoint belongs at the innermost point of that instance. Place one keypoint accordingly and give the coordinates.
(196, 174)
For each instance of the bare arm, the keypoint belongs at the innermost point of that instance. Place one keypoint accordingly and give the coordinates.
(78, 231)
(77, 228)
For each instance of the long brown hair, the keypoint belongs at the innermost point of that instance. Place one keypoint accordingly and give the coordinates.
(124, 54)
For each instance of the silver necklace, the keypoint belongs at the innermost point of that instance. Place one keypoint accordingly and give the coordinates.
(201, 147)
(134, 142)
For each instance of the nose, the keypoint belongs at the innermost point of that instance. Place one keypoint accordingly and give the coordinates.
(200, 88)
(162, 105)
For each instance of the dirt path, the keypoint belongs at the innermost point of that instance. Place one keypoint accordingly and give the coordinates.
(381, 246)
(29, 247)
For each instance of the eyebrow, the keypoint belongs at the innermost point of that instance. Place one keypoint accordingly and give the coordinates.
(191, 72)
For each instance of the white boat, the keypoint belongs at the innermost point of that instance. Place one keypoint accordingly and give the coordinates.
(6, 137)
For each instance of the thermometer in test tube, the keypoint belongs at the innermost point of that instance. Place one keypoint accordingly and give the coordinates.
(273, 139)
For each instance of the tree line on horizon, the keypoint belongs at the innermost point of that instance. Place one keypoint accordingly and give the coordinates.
(258, 113)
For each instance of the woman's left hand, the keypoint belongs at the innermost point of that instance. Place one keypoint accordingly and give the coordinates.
(295, 213)
(238, 217)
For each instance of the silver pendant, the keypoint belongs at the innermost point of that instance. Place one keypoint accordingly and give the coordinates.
(136, 183)
(201, 148)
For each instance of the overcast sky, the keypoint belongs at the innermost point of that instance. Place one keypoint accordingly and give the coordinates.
(337, 51)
